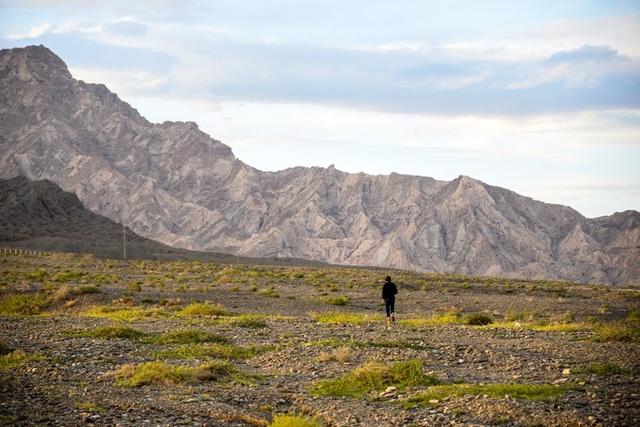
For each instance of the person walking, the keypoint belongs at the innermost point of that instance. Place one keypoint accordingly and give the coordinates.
(389, 292)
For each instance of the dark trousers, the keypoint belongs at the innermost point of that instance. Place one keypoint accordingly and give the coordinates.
(389, 305)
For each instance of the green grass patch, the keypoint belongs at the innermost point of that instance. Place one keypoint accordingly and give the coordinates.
(344, 318)
(477, 319)
(124, 313)
(269, 293)
(91, 407)
(23, 304)
(203, 309)
(208, 351)
(601, 369)
(86, 289)
(446, 318)
(339, 300)
(562, 327)
(187, 336)
(16, 359)
(161, 373)
(286, 420)
(109, 332)
(520, 391)
(617, 332)
(374, 377)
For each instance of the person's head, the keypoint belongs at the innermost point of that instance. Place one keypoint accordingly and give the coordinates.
(387, 279)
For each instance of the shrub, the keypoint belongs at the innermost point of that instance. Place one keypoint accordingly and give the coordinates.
(203, 309)
(4, 349)
(340, 300)
(247, 321)
(477, 319)
(294, 421)
(23, 304)
(341, 354)
(617, 332)
(164, 373)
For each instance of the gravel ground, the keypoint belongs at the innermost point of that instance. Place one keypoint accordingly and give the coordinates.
(73, 381)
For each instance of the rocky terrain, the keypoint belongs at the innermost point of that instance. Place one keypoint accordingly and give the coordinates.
(87, 341)
(172, 183)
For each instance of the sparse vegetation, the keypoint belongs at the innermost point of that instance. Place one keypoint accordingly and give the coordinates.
(339, 300)
(188, 336)
(294, 421)
(176, 323)
(477, 319)
(617, 332)
(251, 321)
(16, 359)
(208, 351)
(375, 377)
(345, 318)
(161, 373)
(340, 354)
(269, 293)
(123, 313)
(434, 394)
(91, 407)
(23, 304)
(602, 369)
(446, 318)
(203, 309)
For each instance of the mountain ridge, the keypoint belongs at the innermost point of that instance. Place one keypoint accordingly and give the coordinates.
(173, 183)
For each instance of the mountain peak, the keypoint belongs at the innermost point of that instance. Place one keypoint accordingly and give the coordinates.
(34, 63)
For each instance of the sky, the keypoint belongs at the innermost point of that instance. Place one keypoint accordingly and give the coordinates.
(541, 97)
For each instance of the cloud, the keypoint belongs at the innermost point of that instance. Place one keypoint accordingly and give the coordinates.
(78, 50)
(126, 27)
(34, 32)
(586, 53)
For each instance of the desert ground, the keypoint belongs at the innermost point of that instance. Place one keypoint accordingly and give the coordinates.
(111, 342)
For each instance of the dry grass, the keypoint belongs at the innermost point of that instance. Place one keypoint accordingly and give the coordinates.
(340, 354)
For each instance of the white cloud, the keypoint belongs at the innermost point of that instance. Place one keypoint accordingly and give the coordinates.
(36, 31)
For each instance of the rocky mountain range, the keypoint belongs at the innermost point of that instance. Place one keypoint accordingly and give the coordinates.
(173, 183)
(39, 215)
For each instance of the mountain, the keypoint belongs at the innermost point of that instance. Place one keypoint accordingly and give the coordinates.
(40, 215)
(173, 183)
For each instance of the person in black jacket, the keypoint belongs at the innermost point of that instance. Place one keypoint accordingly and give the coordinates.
(389, 292)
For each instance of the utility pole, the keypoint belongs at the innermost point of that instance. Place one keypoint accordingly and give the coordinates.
(124, 241)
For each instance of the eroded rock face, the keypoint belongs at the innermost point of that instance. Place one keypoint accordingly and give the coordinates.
(173, 183)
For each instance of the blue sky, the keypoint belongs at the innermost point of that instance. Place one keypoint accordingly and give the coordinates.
(542, 97)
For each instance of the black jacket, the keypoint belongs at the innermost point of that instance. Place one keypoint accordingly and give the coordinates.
(389, 290)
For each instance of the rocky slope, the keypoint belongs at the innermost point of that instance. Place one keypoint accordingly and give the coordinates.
(173, 183)
(38, 214)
